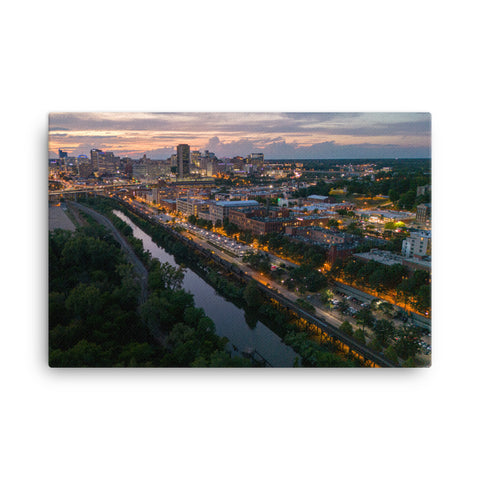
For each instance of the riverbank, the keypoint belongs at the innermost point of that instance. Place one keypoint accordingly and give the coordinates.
(322, 344)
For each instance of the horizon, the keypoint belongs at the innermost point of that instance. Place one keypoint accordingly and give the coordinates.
(279, 136)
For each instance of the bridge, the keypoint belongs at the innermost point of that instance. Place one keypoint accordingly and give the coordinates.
(76, 193)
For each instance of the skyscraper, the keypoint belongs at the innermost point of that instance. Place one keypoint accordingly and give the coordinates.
(195, 158)
(94, 156)
(183, 160)
(256, 159)
(62, 156)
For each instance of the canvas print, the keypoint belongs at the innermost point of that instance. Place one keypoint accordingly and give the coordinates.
(252, 240)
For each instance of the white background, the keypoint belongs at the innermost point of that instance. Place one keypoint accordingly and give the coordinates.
(241, 56)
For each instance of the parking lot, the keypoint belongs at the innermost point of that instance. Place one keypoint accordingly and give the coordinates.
(221, 241)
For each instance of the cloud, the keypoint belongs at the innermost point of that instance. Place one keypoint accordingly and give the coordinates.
(282, 135)
(58, 129)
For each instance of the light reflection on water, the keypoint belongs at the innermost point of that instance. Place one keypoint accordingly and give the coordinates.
(229, 320)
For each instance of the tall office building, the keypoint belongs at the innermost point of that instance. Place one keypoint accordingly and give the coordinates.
(183, 160)
(62, 156)
(107, 162)
(195, 158)
(94, 157)
(256, 159)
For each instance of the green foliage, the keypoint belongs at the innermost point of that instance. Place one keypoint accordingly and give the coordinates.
(407, 200)
(347, 328)
(391, 354)
(258, 261)
(407, 344)
(365, 318)
(387, 278)
(384, 331)
(93, 303)
(375, 345)
(410, 363)
(359, 335)
(163, 276)
(252, 295)
(305, 305)
(309, 277)
(332, 223)
(227, 288)
(310, 255)
(313, 354)
(326, 295)
(230, 228)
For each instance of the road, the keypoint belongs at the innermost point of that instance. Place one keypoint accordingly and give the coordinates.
(330, 317)
(133, 259)
(325, 320)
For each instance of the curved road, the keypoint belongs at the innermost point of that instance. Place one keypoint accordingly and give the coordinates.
(133, 259)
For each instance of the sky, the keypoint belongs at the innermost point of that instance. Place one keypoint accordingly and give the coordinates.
(277, 135)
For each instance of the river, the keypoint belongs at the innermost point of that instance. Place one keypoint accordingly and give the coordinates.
(230, 321)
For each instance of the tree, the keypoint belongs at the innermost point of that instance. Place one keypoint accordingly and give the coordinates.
(252, 295)
(83, 354)
(137, 354)
(359, 335)
(407, 200)
(375, 345)
(393, 195)
(410, 362)
(326, 295)
(332, 223)
(164, 276)
(384, 331)
(365, 318)
(84, 301)
(346, 327)
(391, 354)
(387, 308)
(343, 306)
(407, 344)
(307, 277)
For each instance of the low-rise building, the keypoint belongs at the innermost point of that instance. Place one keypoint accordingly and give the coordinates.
(384, 216)
(191, 207)
(381, 256)
(221, 210)
(424, 190)
(322, 235)
(388, 258)
(418, 244)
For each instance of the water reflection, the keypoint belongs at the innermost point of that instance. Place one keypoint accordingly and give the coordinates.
(242, 329)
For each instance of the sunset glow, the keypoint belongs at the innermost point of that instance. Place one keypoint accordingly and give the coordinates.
(278, 135)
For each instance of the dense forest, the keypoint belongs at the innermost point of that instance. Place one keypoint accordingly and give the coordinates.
(164, 283)
(95, 319)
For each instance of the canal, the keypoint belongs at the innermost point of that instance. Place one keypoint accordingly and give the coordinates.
(230, 320)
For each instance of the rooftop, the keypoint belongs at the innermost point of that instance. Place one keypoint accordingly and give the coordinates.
(237, 203)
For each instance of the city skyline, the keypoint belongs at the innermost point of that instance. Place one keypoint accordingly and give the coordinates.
(277, 135)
